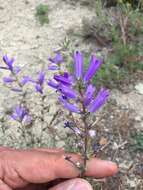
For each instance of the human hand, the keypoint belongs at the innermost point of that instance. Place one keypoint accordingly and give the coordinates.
(26, 169)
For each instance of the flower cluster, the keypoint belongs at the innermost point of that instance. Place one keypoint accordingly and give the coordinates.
(9, 65)
(13, 81)
(76, 91)
(21, 115)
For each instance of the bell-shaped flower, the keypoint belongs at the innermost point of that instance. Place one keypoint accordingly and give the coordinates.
(53, 84)
(8, 80)
(92, 69)
(57, 59)
(9, 62)
(78, 59)
(89, 94)
(40, 82)
(100, 99)
(55, 62)
(69, 106)
(63, 79)
(67, 91)
(19, 113)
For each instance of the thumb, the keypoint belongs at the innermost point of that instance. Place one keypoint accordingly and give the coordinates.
(73, 184)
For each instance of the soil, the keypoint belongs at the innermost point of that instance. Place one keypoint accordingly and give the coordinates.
(23, 37)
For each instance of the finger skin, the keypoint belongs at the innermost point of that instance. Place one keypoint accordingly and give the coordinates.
(4, 186)
(19, 168)
(73, 184)
(50, 150)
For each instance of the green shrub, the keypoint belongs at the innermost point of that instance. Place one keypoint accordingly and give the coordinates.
(42, 13)
(138, 141)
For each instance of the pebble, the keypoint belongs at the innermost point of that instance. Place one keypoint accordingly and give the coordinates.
(139, 88)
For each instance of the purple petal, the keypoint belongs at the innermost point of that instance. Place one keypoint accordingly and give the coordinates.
(69, 106)
(57, 59)
(53, 67)
(39, 88)
(27, 120)
(62, 79)
(17, 70)
(66, 74)
(68, 92)
(19, 113)
(89, 94)
(93, 67)
(53, 84)
(78, 64)
(26, 79)
(16, 89)
(8, 80)
(101, 98)
(9, 62)
(14, 116)
(41, 78)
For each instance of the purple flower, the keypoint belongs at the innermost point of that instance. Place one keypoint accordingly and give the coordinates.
(9, 65)
(89, 94)
(40, 82)
(8, 80)
(26, 79)
(53, 67)
(63, 79)
(41, 78)
(69, 106)
(53, 84)
(55, 62)
(92, 69)
(67, 91)
(101, 98)
(73, 93)
(19, 113)
(16, 89)
(17, 69)
(78, 64)
(39, 88)
(57, 59)
(9, 62)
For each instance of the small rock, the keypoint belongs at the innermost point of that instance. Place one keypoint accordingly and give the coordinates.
(138, 118)
(139, 88)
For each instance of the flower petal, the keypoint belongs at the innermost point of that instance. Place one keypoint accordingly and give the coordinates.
(53, 67)
(68, 92)
(53, 84)
(78, 64)
(39, 88)
(57, 59)
(93, 67)
(89, 94)
(68, 106)
(62, 79)
(101, 98)
(8, 80)
(41, 78)
(9, 62)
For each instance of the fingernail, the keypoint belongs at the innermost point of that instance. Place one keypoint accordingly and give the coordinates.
(79, 185)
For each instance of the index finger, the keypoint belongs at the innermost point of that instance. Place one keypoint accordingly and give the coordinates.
(95, 167)
(44, 167)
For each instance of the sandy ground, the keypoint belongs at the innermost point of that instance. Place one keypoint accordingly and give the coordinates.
(31, 44)
(23, 37)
